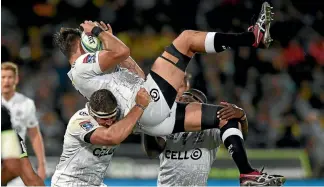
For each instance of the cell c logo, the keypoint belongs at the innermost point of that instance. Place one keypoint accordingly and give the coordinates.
(196, 154)
(155, 94)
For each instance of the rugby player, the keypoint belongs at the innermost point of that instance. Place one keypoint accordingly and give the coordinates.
(23, 113)
(27, 174)
(92, 136)
(13, 145)
(10, 149)
(186, 158)
(100, 70)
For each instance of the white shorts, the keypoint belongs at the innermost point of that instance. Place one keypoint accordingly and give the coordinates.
(10, 145)
(158, 119)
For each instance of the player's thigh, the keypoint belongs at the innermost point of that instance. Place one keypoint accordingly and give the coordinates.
(12, 166)
(163, 128)
(168, 71)
(162, 100)
(27, 168)
(28, 175)
(202, 116)
(172, 64)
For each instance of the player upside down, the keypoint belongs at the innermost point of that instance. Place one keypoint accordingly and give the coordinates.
(185, 158)
(101, 70)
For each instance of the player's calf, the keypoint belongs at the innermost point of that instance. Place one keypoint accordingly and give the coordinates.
(204, 116)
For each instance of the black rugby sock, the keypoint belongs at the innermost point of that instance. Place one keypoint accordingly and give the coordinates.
(233, 140)
(215, 40)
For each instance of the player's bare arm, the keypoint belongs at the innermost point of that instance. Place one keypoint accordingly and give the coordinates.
(38, 146)
(129, 63)
(119, 131)
(118, 51)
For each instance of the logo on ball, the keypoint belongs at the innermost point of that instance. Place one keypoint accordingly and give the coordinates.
(155, 94)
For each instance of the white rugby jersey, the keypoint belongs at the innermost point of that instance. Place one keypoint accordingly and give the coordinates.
(188, 157)
(23, 113)
(87, 78)
(82, 163)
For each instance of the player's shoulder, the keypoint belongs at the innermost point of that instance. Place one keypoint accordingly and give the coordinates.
(87, 58)
(21, 98)
(81, 119)
(81, 115)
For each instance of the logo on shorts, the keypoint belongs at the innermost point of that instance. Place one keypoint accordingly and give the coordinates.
(155, 94)
(183, 155)
(86, 125)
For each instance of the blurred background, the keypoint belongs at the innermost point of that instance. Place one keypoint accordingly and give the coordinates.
(281, 89)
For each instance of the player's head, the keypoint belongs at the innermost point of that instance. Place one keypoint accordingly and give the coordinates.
(184, 86)
(9, 77)
(193, 95)
(103, 107)
(68, 40)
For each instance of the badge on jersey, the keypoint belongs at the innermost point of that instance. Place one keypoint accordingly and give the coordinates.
(86, 125)
(89, 59)
(82, 113)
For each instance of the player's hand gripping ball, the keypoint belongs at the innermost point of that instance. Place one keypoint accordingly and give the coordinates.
(89, 43)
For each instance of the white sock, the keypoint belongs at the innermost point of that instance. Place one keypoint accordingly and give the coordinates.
(209, 42)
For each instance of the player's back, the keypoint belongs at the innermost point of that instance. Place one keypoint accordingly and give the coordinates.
(82, 163)
(187, 158)
(87, 78)
(23, 113)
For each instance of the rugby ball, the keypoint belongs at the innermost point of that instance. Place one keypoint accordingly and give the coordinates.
(90, 43)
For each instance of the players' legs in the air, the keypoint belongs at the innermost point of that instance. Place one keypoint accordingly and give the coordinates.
(167, 72)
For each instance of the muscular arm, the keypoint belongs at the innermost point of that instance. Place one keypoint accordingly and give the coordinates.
(129, 63)
(132, 66)
(119, 131)
(38, 146)
(115, 51)
(153, 146)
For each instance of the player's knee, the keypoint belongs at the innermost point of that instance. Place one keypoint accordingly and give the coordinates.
(186, 34)
(183, 41)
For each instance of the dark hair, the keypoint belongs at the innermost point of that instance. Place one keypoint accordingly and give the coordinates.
(65, 39)
(103, 100)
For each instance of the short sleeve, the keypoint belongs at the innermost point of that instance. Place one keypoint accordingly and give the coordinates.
(87, 65)
(31, 119)
(81, 127)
